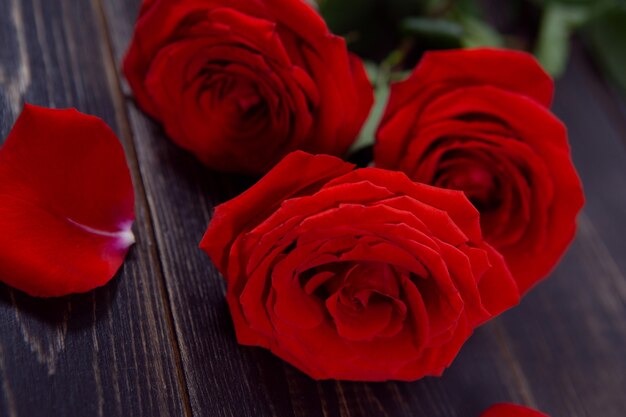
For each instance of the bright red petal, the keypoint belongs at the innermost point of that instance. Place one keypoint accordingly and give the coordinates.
(511, 410)
(231, 218)
(66, 203)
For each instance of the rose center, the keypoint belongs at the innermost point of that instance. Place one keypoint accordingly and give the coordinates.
(363, 299)
(477, 182)
(238, 101)
(245, 98)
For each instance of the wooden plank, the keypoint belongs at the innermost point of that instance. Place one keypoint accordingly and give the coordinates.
(109, 352)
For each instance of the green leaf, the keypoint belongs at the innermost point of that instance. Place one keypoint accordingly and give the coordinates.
(558, 23)
(430, 7)
(439, 32)
(401, 8)
(368, 133)
(398, 76)
(313, 4)
(343, 16)
(468, 7)
(606, 34)
(373, 71)
(477, 33)
(574, 2)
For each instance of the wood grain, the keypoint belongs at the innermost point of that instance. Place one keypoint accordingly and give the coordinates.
(105, 353)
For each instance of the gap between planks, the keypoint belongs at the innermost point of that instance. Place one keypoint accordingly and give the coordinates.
(122, 118)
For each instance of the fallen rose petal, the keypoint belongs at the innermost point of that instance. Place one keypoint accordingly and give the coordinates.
(66, 203)
(511, 410)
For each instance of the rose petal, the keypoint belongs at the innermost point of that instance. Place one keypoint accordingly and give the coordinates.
(66, 203)
(440, 72)
(547, 136)
(360, 326)
(511, 410)
(231, 218)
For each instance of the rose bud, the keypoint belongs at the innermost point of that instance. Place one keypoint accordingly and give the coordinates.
(242, 83)
(356, 274)
(479, 121)
(511, 410)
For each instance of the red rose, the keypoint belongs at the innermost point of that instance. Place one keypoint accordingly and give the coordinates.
(241, 83)
(356, 274)
(478, 121)
(511, 410)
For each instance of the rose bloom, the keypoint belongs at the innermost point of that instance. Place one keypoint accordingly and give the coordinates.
(479, 121)
(511, 410)
(241, 83)
(356, 274)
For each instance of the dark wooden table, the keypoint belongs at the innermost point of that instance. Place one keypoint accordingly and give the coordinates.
(158, 340)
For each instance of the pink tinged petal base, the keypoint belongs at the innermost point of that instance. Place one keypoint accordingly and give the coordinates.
(66, 203)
